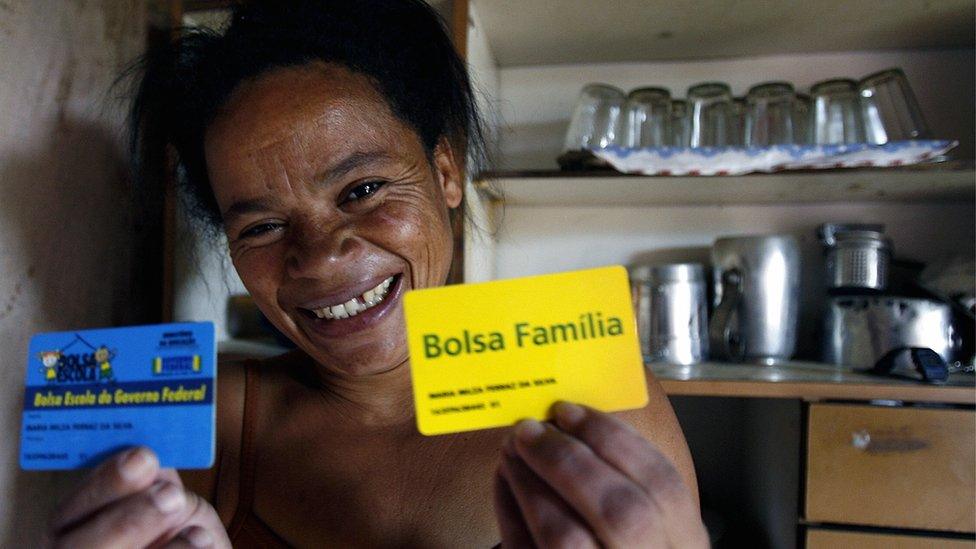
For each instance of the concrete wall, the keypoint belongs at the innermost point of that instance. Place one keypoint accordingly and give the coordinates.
(67, 239)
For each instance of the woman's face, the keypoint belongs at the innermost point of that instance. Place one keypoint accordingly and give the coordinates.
(332, 211)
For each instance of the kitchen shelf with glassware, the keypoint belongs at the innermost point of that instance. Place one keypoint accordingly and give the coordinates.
(848, 142)
(840, 125)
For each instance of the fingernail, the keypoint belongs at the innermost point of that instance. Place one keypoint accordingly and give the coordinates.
(568, 414)
(198, 537)
(167, 497)
(528, 430)
(136, 464)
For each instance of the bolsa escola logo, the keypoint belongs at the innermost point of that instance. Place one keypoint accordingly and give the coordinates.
(86, 364)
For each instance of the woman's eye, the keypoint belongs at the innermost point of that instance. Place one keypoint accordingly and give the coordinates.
(363, 190)
(260, 229)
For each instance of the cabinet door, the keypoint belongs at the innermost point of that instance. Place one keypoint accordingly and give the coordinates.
(835, 539)
(900, 467)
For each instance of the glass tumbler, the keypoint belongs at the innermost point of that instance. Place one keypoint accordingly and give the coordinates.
(680, 123)
(803, 120)
(648, 118)
(709, 111)
(889, 109)
(836, 113)
(597, 120)
(737, 121)
(770, 114)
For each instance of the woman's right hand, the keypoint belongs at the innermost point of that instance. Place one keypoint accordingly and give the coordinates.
(129, 501)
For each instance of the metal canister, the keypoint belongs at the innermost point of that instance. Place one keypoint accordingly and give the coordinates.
(640, 293)
(678, 314)
(858, 256)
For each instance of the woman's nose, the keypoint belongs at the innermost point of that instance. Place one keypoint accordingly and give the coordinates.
(315, 250)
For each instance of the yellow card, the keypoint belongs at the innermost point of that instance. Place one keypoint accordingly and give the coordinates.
(487, 355)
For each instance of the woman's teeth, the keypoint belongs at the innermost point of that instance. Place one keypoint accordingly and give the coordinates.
(356, 305)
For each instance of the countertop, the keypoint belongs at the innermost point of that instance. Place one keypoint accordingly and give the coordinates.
(807, 381)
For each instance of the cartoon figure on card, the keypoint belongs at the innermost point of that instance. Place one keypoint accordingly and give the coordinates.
(50, 361)
(102, 358)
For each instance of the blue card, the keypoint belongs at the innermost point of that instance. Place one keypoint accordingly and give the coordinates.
(91, 393)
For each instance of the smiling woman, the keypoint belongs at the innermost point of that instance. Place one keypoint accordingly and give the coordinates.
(324, 138)
(309, 232)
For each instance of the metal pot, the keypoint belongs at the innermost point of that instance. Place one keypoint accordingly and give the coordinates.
(859, 330)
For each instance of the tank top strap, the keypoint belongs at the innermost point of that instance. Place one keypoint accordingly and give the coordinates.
(245, 494)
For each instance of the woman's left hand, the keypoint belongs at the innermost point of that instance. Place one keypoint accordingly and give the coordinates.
(591, 481)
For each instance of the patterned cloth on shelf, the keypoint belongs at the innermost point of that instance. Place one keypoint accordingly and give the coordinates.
(743, 160)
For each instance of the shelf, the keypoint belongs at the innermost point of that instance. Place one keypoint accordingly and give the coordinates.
(953, 182)
(523, 32)
(806, 381)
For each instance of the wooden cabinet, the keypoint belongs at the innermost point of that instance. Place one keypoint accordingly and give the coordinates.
(837, 539)
(811, 460)
(892, 467)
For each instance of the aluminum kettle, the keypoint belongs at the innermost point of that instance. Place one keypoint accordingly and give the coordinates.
(757, 287)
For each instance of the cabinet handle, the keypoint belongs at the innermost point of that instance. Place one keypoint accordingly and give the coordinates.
(863, 441)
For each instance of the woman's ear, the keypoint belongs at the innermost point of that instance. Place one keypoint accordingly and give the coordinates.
(448, 173)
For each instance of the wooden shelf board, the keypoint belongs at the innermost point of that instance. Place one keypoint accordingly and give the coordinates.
(806, 381)
(543, 32)
(951, 183)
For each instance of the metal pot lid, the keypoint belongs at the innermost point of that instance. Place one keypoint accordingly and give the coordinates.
(862, 239)
(829, 232)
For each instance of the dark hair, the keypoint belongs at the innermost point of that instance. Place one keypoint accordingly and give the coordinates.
(401, 45)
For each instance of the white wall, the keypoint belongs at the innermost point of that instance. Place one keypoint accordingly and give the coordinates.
(539, 240)
(66, 234)
(536, 102)
(479, 264)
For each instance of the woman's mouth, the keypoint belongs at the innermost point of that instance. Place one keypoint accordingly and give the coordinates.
(356, 313)
(367, 300)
